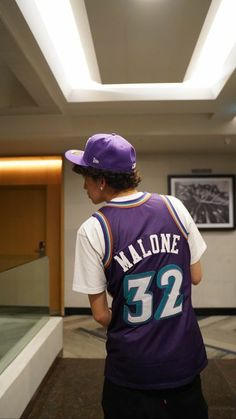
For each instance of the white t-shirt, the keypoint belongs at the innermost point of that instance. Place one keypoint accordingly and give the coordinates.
(89, 276)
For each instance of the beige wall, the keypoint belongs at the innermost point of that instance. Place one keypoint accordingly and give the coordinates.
(218, 288)
(26, 285)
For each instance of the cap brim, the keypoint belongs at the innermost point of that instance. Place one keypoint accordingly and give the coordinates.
(76, 157)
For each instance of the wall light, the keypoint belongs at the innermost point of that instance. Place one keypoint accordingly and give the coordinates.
(30, 163)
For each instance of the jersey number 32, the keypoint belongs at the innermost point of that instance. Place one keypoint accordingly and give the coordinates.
(139, 299)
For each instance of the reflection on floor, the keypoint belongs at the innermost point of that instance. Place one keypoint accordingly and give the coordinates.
(219, 334)
(80, 340)
(84, 338)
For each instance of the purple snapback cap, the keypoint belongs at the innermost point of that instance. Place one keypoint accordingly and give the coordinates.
(106, 152)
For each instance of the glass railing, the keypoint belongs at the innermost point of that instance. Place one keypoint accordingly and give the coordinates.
(24, 306)
(12, 261)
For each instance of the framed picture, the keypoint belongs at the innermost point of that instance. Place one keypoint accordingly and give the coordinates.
(208, 198)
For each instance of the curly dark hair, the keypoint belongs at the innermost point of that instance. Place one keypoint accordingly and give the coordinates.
(116, 180)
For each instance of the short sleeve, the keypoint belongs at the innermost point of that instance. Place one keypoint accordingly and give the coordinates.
(196, 242)
(89, 276)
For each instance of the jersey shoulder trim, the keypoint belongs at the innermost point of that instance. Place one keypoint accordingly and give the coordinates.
(175, 216)
(107, 233)
(131, 203)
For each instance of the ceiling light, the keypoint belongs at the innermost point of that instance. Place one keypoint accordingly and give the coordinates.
(216, 42)
(53, 25)
(61, 41)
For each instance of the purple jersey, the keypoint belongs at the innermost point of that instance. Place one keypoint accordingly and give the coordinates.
(153, 340)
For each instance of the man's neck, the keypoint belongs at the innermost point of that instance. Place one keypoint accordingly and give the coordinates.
(119, 194)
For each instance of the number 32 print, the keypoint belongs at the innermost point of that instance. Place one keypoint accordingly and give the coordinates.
(137, 293)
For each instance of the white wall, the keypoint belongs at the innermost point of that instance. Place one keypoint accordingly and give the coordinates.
(26, 285)
(218, 288)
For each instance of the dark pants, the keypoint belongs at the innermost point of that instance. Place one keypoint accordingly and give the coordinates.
(186, 402)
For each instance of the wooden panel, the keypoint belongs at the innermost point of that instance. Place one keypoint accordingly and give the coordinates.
(22, 219)
(53, 245)
(49, 177)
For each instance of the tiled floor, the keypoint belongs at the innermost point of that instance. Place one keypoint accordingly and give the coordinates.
(84, 338)
(79, 340)
(219, 334)
(68, 393)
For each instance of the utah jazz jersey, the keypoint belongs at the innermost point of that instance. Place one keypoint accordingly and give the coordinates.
(153, 340)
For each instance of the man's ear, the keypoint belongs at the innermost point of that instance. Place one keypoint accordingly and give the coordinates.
(102, 183)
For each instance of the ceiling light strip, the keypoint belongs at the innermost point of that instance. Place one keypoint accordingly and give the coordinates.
(60, 40)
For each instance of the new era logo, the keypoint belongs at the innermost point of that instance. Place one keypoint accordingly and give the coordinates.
(96, 161)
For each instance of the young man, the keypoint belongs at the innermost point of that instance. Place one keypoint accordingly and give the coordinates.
(144, 250)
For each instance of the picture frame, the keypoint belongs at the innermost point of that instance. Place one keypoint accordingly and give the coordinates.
(210, 199)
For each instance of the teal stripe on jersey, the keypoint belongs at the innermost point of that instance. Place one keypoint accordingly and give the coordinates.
(107, 237)
(175, 216)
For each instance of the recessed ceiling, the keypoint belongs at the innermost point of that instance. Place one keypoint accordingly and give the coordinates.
(129, 36)
(134, 41)
(66, 42)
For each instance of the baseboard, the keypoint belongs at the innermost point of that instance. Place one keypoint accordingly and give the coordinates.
(215, 311)
(14, 310)
(206, 311)
(76, 311)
